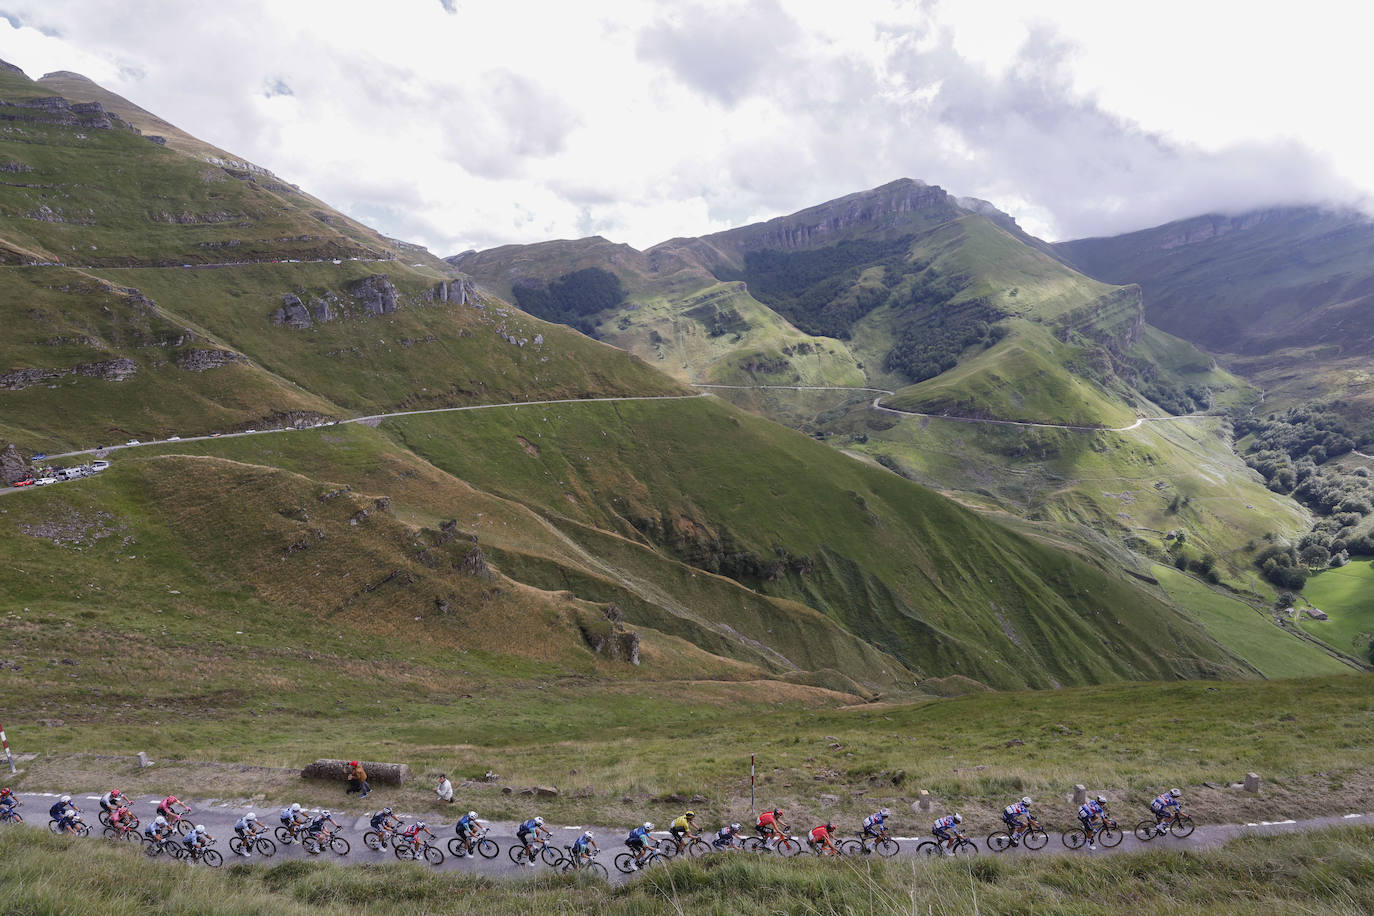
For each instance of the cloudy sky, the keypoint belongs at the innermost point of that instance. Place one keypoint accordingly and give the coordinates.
(471, 123)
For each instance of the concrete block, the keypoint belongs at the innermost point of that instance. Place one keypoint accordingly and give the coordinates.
(143, 760)
(1080, 794)
(923, 801)
(1252, 782)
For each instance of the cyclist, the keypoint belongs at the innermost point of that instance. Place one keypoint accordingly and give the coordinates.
(467, 828)
(320, 831)
(875, 829)
(583, 848)
(412, 834)
(727, 837)
(530, 832)
(168, 808)
(1012, 816)
(1092, 814)
(385, 823)
(248, 827)
(112, 800)
(292, 818)
(1166, 809)
(122, 819)
(639, 840)
(64, 812)
(819, 839)
(195, 842)
(771, 827)
(158, 830)
(683, 827)
(8, 802)
(946, 831)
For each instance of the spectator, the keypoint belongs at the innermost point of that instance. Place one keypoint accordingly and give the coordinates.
(357, 780)
(444, 789)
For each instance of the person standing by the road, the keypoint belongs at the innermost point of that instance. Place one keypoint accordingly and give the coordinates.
(357, 780)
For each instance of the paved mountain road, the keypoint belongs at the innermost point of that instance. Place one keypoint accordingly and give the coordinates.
(219, 819)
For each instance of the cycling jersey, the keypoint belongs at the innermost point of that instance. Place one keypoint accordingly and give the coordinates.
(1164, 801)
(244, 824)
(193, 837)
(680, 824)
(528, 826)
(58, 811)
(767, 819)
(287, 816)
(169, 801)
(725, 835)
(637, 836)
(944, 824)
(318, 824)
(107, 800)
(581, 845)
(1090, 810)
(379, 821)
(152, 831)
(820, 834)
(465, 825)
(874, 823)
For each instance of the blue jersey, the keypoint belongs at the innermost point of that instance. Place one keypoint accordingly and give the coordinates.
(1164, 801)
(379, 821)
(945, 823)
(466, 824)
(528, 827)
(58, 811)
(287, 815)
(1090, 810)
(1014, 810)
(873, 822)
(244, 823)
(581, 844)
(638, 835)
(193, 837)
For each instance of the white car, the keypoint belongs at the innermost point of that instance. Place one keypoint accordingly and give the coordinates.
(99, 465)
(173, 438)
(250, 430)
(132, 442)
(44, 481)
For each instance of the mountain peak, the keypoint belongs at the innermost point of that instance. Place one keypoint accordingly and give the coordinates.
(7, 66)
(68, 75)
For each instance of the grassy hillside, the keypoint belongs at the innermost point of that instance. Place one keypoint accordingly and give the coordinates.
(1347, 596)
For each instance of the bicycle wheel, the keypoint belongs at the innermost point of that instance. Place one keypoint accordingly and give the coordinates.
(787, 848)
(373, 841)
(488, 849)
(433, 856)
(999, 841)
(887, 847)
(266, 848)
(927, 848)
(283, 836)
(1182, 826)
(624, 863)
(236, 845)
(152, 848)
(53, 827)
(13, 818)
(339, 845)
(110, 833)
(668, 848)
(965, 847)
(104, 817)
(1073, 839)
(549, 856)
(176, 849)
(1035, 838)
(212, 858)
(1145, 831)
(1109, 836)
(598, 870)
(850, 847)
(456, 847)
(696, 849)
(85, 829)
(183, 826)
(310, 845)
(754, 844)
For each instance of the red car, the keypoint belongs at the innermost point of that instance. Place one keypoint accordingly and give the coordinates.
(26, 482)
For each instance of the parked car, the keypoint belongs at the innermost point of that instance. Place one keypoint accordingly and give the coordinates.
(44, 481)
(132, 442)
(39, 456)
(173, 438)
(99, 465)
(26, 482)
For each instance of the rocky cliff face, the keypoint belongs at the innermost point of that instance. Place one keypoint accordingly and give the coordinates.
(12, 465)
(203, 360)
(376, 293)
(111, 370)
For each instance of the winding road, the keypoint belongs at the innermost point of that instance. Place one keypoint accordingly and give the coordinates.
(219, 818)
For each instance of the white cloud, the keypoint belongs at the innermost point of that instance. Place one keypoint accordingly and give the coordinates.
(464, 125)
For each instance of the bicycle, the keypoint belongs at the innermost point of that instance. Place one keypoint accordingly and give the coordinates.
(885, 846)
(80, 827)
(10, 816)
(571, 862)
(104, 817)
(1181, 826)
(122, 832)
(210, 857)
(1109, 834)
(154, 848)
(691, 846)
(314, 844)
(543, 851)
(415, 849)
(786, 846)
(178, 822)
(484, 847)
(288, 835)
(261, 843)
(1033, 837)
(963, 846)
(379, 840)
(625, 861)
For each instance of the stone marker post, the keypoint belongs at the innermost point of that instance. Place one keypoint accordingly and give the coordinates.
(1252, 782)
(1080, 794)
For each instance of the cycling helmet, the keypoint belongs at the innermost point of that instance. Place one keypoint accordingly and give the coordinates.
(6, 791)
(200, 828)
(65, 798)
(777, 812)
(296, 806)
(735, 827)
(690, 814)
(885, 813)
(1026, 801)
(421, 826)
(386, 810)
(325, 813)
(958, 818)
(1101, 799)
(539, 822)
(115, 793)
(161, 821)
(648, 825)
(587, 834)
(830, 827)
(250, 816)
(1175, 793)
(471, 814)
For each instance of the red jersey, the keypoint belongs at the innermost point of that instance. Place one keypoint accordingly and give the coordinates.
(766, 819)
(820, 834)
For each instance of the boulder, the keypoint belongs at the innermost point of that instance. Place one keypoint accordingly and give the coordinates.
(204, 360)
(12, 465)
(292, 313)
(546, 791)
(376, 293)
(391, 774)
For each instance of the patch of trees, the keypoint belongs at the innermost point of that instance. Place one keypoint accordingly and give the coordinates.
(818, 290)
(718, 322)
(572, 298)
(930, 342)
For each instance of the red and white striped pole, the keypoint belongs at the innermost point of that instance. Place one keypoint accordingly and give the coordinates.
(8, 756)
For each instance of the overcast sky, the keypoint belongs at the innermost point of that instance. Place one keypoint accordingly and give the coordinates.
(470, 123)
